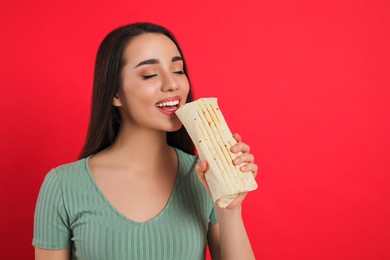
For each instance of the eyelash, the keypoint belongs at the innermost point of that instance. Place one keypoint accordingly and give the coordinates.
(148, 76)
(180, 72)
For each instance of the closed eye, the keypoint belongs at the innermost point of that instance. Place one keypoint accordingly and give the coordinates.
(179, 72)
(149, 76)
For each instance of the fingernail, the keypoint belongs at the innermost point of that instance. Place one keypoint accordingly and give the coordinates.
(244, 168)
(236, 160)
(235, 148)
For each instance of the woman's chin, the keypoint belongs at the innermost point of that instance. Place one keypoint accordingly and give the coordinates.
(175, 127)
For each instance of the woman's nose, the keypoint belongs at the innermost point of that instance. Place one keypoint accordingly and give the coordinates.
(169, 83)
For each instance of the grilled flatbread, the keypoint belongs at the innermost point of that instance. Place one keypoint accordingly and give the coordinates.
(210, 133)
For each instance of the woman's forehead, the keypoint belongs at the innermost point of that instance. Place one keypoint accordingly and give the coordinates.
(150, 46)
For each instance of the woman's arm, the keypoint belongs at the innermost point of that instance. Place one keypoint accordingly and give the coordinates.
(214, 242)
(228, 238)
(45, 254)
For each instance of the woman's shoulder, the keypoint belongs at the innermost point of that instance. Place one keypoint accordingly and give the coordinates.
(69, 171)
(72, 167)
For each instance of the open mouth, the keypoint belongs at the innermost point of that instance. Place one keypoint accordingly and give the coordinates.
(169, 105)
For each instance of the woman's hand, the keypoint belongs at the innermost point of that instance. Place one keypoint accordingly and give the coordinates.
(246, 160)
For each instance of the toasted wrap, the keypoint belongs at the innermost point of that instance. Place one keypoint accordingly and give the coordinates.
(212, 138)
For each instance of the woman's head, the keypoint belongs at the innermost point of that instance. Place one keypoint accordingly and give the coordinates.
(105, 117)
(153, 85)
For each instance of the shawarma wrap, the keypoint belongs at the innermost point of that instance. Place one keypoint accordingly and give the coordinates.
(212, 138)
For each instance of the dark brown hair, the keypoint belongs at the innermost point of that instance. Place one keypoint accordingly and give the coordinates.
(105, 118)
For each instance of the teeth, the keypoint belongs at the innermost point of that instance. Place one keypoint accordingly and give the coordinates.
(169, 103)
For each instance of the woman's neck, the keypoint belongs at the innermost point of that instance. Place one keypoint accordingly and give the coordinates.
(143, 146)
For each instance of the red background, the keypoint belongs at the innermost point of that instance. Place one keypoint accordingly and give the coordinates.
(306, 83)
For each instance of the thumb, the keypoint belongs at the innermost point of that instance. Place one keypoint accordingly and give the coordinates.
(201, 169)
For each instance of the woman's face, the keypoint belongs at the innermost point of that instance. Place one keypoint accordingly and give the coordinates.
(153, 83)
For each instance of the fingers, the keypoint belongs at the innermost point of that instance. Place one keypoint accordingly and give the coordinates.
(237, 137)
(250, 167)
(244, 158)
(239, 146)
(201, 170)
(201, 167)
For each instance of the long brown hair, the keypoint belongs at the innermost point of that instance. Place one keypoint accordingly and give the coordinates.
(105, 118)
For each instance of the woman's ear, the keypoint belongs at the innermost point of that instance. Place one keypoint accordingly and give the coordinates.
(116, 102)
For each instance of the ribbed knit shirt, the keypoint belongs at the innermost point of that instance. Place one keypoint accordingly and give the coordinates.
(72, 212)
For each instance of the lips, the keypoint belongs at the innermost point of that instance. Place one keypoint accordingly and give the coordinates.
(169, 105)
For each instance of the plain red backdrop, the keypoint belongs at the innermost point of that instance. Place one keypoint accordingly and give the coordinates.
(306, 83)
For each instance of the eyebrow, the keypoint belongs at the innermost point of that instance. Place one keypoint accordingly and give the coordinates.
(156, 61)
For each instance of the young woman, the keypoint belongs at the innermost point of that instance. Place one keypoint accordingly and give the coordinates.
(138, 191)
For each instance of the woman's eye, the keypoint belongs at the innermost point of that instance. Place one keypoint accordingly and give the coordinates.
(179, 72)
(149, 76)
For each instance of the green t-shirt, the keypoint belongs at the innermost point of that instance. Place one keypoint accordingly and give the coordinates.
(73, 212)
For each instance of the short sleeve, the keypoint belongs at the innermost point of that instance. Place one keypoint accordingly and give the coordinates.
(51, 222)
(213, 217)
